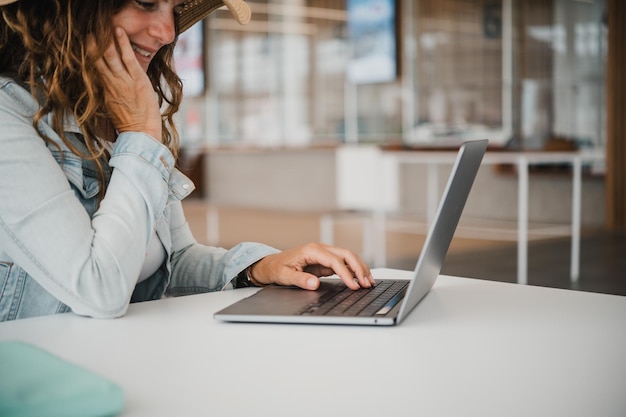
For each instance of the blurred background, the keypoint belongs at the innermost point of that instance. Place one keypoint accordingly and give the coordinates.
(287, 120)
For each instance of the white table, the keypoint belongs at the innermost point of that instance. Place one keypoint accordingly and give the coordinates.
(471, 348)
(522, 161)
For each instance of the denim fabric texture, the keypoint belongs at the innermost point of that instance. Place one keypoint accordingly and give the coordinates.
(60, 251)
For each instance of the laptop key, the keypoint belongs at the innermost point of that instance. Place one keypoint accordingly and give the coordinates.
(376, 296)
(350, 302)
(384, 304)
(359, 300)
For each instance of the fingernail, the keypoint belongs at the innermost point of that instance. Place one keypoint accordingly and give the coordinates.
(311, 283)
(118, 32)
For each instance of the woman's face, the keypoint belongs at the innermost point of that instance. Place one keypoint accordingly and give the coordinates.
(149, 25)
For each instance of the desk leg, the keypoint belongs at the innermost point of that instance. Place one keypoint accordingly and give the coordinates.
(522, 221)
(327, 229)
(576, 218)
(380, 233)
(386, 183)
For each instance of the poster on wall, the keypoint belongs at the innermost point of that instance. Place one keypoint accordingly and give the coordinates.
(188, 60)
(372, 36)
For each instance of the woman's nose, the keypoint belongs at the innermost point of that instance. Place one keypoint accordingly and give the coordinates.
(163, 28)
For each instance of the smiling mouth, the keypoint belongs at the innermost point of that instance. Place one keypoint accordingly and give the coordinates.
(141, 52)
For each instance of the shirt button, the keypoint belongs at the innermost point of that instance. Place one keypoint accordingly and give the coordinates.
(185, 186)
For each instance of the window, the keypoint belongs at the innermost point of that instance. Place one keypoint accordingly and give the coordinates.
(520, 72)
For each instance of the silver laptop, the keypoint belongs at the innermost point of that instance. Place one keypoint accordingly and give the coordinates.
(389, 301)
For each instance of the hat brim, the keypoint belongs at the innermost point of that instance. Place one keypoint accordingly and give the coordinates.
(192, 11)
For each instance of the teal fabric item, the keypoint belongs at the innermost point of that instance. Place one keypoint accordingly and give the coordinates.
(34, 382)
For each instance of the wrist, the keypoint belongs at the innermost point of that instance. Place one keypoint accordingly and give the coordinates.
(246, 279)
(250, 277)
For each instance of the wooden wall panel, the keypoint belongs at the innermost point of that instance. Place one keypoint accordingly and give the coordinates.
(616, 117)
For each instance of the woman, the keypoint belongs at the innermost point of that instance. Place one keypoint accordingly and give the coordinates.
(90, 203)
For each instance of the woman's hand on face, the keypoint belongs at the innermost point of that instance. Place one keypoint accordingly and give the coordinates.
(130, 97)
(303, 266)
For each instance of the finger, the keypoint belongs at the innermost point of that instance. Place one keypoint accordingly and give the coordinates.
(300, 279)
(337, 261)
(120, 61)
(347, 276)
(278, 269)
(323, 271)
(319, 270)
(359, 268)
(324, 256)
(113, 65)
(302, 267)
(127, 54)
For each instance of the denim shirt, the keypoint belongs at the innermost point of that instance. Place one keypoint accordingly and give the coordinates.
(60, 251)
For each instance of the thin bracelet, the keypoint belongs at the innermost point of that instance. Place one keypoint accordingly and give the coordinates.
(251, 279)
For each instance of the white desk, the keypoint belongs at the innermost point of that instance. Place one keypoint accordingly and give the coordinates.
(471, 348)
(522, 161)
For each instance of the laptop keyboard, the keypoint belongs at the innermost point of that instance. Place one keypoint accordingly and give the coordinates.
(375, 301)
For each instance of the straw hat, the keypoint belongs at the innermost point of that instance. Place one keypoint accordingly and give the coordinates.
(192, 11)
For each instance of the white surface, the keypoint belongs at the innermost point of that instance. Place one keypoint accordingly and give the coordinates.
(471, 348)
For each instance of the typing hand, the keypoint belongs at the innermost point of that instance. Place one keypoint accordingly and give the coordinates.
(130, 97)
(303, 266)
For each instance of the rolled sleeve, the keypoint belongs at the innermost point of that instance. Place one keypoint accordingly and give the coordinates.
(199, 268)
(136, 145)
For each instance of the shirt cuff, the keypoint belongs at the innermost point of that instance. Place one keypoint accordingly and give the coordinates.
(144, 146)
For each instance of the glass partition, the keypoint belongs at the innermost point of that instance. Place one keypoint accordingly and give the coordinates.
(524, 73)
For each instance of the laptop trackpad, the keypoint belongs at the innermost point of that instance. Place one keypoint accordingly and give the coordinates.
(279, 300)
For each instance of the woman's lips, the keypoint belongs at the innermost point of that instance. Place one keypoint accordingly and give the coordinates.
(141, 51)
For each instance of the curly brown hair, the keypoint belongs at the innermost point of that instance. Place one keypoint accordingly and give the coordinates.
(43, 44)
